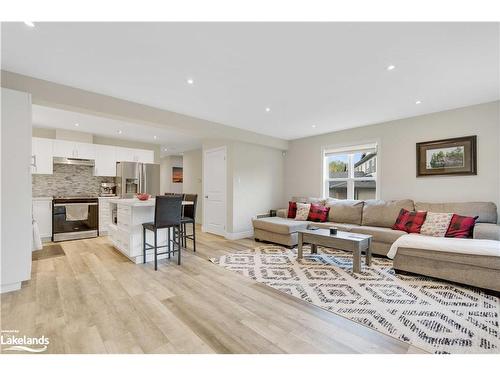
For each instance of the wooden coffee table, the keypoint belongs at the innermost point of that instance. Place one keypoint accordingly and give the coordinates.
(353, 242)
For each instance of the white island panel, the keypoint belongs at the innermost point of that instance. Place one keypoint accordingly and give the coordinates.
(126, 233)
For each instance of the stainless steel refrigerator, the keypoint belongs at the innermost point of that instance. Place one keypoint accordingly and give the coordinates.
(133, 178)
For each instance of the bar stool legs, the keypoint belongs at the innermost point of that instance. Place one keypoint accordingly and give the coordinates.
(143, 245)
(172, 241)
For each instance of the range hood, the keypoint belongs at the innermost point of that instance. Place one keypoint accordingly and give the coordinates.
(74, 161)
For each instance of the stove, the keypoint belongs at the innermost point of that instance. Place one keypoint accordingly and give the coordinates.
(74, 218)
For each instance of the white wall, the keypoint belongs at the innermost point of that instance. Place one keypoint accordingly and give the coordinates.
(192, 165)
(166, 184)
(258, 178)
(255, 178)
(16, 228)
(397, 156)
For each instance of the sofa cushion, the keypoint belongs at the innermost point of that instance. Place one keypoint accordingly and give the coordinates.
(410, 221)
(436, 224)
(380, 234)
(318, 213)
(302, 211)
(279, 225)
(487, 231)
(379, 213)
(292, 210)
(345, 211)
(461, 226)
(339, 226)
(282, 212)
(309, 200)
(487, 211)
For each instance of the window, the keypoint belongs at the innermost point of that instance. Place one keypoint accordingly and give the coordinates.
(351, 173)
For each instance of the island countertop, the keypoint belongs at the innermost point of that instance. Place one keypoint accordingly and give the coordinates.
(134, 202)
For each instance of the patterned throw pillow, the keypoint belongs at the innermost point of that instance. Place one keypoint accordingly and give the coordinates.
(410, 221)
(461, 226)
(436, 224)
(302, 211)
(318, 213)
(292, 210)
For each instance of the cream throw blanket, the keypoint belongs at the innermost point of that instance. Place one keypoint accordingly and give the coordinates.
(451, 245)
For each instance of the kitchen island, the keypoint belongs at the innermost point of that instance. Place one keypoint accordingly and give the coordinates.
(125, 230)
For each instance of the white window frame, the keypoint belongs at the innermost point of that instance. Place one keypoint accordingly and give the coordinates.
(350, 179)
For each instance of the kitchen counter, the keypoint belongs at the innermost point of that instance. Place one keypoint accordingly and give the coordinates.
(125, 230)
(133, 202)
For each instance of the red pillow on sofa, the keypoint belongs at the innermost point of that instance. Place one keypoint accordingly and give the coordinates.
(292, 210)
(461, 226)
(410, 221)
(318, 213)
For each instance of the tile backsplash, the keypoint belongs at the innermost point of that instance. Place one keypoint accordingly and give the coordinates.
(68, 180)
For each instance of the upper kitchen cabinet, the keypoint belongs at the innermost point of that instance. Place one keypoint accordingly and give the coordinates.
(78, 150)
(41, 153)
(134, 154)
(145, 156)
(105, 160)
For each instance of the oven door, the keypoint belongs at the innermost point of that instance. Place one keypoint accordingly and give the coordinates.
(72, 221)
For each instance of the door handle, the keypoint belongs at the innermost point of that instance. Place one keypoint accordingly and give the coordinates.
(206, 196)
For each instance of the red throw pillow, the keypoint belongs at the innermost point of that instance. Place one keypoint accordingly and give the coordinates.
(401, 220)
(461, 226)
(318, 213)
(410, 221)
(292, 210)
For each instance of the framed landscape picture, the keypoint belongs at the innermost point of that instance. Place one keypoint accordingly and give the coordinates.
(177, 175)
(454, 156)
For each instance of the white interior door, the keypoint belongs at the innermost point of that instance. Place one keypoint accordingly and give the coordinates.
(214, 191)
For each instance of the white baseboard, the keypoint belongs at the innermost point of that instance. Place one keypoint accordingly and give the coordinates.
(4, 288)
(239, 235)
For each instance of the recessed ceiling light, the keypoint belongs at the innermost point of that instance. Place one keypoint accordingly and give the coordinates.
(119, 132)
(190, 81)
(313, 126)
(418, 102)
(29, 23)
(391, 67)
(154, 136)
(77, 124)
(268, 109)
(165, 149)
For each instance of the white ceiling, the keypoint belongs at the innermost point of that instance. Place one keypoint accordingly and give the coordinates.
(331, 75)
(171, 142)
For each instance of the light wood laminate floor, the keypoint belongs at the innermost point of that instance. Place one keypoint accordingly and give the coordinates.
(94, 300)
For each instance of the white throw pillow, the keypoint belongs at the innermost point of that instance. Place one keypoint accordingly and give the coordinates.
(302, 211)
(436, 224)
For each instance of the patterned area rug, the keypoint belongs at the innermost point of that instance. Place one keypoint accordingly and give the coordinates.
(436, 316)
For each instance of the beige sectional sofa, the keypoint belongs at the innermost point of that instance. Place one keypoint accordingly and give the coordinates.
(376, 217)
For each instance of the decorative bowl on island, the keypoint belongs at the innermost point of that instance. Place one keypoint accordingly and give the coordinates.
(143, 196)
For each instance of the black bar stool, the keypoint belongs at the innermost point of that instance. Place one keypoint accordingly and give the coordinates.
(189, 216)
(167, 216)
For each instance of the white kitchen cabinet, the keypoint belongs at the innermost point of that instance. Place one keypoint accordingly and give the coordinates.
(145, 156)
(85, 150)
(125, 154)
(134, 154)
(105, 161)
(64, 149)
(42, 213)
(104, 215)
(78, 150)
(42, 153)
